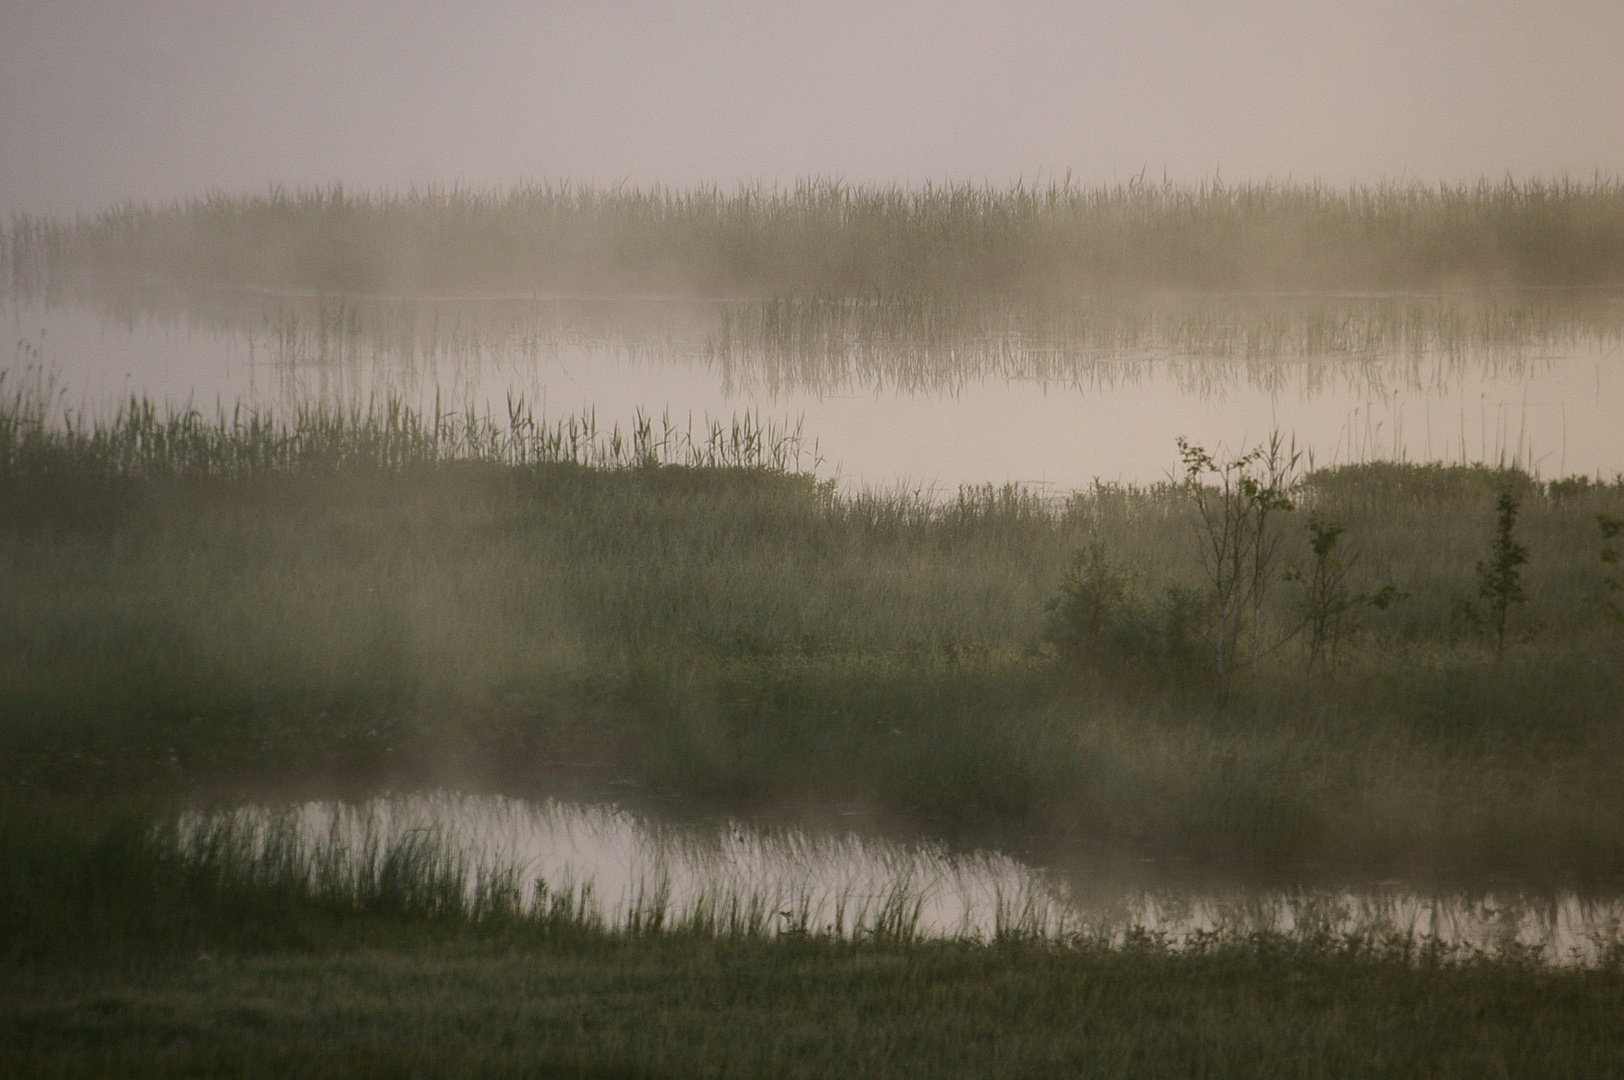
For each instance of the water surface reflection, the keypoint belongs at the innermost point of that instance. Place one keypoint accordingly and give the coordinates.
(626, 867)
(934, 393)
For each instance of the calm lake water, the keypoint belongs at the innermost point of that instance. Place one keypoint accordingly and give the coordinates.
(620, 865)
(928, 394)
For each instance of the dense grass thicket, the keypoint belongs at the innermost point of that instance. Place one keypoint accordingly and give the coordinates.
(748, 633)
(827, 237)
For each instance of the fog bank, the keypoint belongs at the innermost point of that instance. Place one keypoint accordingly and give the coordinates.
(100, 103)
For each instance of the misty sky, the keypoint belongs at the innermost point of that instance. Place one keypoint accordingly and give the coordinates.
(113, 99)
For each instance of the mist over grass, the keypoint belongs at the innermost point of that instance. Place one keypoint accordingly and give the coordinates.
(826, 237)
(200, 609)
(203, 609)
(743, 632)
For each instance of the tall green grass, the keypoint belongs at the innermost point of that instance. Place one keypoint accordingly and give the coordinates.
(80, 881)
(836, 238)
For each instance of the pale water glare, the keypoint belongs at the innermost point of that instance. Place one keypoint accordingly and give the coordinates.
(892, 398)
(620, 867)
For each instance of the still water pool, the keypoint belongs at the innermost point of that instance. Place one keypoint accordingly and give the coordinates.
(620, 866)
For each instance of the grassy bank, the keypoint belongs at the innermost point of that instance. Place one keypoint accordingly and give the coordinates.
(125, 953)
(844, 240)
(238, 608)
(688, 1007)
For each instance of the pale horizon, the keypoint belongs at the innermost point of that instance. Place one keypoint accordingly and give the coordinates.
(102, 105)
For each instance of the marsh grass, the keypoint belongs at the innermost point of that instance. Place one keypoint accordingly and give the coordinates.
(83, 881)
(175, 622)
(138, 951)
(832, 237)
(39, 435)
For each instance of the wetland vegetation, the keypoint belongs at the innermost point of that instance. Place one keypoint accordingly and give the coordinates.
(832, 238)
(1374, 670)
(353, 595)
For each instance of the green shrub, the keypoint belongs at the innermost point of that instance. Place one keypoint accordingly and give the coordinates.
(1327, 603)
(1102, 611)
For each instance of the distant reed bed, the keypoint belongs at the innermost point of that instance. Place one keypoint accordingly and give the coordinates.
(831, 237)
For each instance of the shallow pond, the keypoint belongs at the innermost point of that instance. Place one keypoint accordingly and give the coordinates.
(617, 866)
(929, 394)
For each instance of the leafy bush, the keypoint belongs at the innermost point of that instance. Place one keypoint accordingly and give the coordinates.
(1327, 603)
(1102, 612)
(1238, 501)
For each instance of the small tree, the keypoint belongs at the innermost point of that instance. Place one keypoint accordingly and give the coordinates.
(1499, 580)
(1096, 606)
(1327, 603)
(1326, 600)
(1238, 502)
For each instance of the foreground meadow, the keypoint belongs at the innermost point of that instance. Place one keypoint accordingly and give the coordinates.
(693, 1007)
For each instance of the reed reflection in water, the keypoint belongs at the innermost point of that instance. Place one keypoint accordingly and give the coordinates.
(623, 870)
(935, 393)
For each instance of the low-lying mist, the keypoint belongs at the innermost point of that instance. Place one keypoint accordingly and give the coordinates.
(828, 237)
